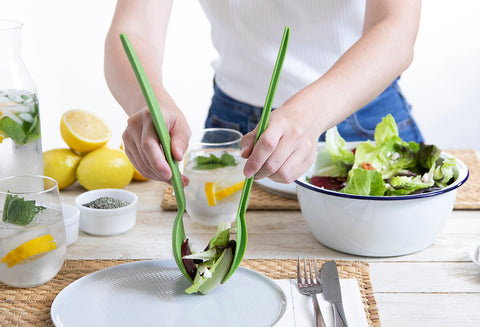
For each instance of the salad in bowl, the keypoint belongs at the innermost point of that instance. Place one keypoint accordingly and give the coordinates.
(387, 166)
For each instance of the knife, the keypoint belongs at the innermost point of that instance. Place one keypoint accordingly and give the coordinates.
(332, 293)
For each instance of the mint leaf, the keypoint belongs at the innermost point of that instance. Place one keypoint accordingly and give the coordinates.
(33, 131)
(212, 161)
(19, 211)
(12, 130)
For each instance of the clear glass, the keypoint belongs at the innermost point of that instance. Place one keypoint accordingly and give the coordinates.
(215, 185)
(32, 231)
(20, 140)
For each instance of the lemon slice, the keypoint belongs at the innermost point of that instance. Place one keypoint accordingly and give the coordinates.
(222, 194)
(214, 196)
(84, 131)
(209, 192)
(29, 249)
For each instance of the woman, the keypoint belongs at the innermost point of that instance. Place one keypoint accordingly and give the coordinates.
(341, 68)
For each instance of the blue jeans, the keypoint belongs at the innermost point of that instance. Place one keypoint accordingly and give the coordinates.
(229, 113)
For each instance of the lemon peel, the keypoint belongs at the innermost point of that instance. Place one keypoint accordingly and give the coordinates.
(29, 249)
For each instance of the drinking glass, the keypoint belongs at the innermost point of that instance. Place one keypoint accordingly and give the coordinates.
(215, 169)
(32, 232)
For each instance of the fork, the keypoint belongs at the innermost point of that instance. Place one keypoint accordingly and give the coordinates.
(308, 285)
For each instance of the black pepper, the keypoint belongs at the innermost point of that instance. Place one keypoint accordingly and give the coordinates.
(106, 203)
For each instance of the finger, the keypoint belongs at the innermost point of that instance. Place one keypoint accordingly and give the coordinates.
(135, 157)
(180, 135)
(264, 148)
(247, 143)
(280, 155)
(295, 165)
(152, 154)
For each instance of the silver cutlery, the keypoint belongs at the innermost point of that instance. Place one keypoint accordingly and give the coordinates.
(332, 292)
(310, 285)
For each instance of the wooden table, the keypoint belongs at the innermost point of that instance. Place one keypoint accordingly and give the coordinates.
(439, 286)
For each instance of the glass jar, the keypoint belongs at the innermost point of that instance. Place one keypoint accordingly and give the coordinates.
(20, 141)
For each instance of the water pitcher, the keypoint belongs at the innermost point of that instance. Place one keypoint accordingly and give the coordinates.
(20, 141)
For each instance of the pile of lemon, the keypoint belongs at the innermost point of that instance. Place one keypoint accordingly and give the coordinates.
(88, 160)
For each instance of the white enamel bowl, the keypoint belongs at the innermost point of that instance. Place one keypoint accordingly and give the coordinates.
(377, 226)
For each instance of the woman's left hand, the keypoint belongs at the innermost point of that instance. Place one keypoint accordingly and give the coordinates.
(286, 149)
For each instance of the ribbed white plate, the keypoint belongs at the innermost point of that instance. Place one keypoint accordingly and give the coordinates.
(152, 293)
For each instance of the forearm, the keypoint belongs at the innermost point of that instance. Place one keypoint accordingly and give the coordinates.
(383, 52)
(148, 40)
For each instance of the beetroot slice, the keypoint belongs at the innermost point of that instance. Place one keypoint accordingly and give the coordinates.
(329, 183)
(188, 263)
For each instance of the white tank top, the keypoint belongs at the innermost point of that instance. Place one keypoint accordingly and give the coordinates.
(247, 36)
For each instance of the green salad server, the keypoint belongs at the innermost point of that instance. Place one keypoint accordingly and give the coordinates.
(247, 187)
(178, 235)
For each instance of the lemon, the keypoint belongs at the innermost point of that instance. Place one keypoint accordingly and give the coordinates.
(213, 195)
(61, 164)
(84, 131)
(104, 168)
(136, 174)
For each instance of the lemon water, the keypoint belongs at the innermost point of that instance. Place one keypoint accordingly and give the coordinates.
(21, 146)
(224, 210)
(36, 269)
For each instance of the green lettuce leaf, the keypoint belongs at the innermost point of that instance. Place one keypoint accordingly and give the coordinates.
(445, 172)
(364, 182)
(341, 156)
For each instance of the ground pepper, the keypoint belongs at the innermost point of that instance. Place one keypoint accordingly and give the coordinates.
(105, 202)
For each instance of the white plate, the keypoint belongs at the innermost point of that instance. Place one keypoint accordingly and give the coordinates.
(475, 254)
(285, 190)
(152, 293)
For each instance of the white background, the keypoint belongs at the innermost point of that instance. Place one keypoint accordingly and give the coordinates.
(63, 45)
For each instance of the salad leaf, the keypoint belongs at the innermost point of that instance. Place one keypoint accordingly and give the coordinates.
(18, 211)
(341, 156)
(216, 260)
(324, 165)
(427, 155)
(212, 161)
(412, 183)
(387, 131)
(387, 158)
(445, 172)
(364, 182)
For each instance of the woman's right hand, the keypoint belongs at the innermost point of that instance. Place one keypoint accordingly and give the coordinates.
(143, 147)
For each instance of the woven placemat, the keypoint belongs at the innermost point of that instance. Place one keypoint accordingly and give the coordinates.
(31, 306)
(468, 196)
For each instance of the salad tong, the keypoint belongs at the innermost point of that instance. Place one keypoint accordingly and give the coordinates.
(178, 233)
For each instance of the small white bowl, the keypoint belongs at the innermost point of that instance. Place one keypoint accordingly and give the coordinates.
(377, 226)
(107, 222)
(71, 218)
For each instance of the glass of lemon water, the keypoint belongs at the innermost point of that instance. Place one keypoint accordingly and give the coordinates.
(214, 166)
(32, 232)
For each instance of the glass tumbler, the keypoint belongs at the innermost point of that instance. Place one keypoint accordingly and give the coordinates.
(215, 169)
(32, 232)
